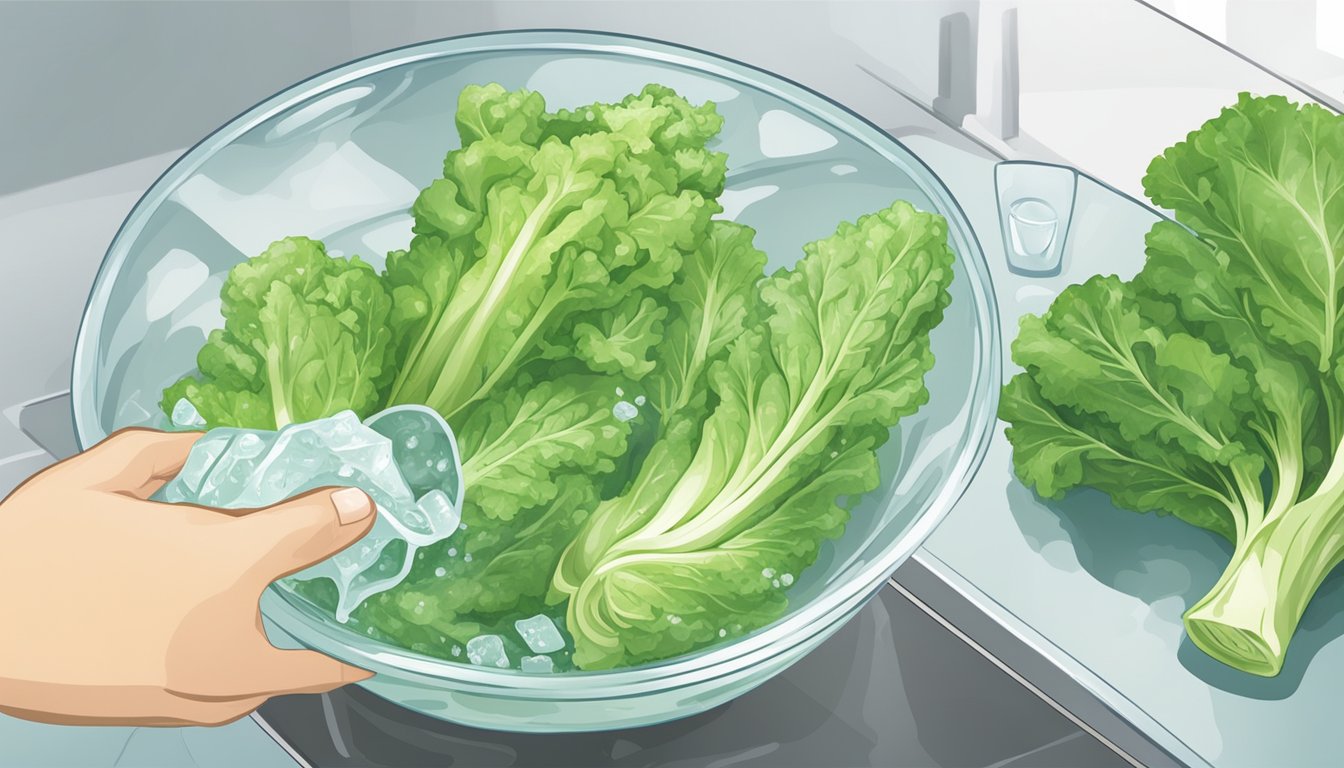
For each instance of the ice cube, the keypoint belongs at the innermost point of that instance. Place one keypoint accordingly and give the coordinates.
(487, 651)
(235, 468)
(185, 415)
(540, 634)
(624, 411)
(540, 665)
(248, 447)
(440, 516)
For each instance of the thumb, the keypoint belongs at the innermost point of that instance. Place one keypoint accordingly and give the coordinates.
(299, 532)
(280, 672)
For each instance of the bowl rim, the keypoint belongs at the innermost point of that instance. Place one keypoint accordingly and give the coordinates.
(814, 616)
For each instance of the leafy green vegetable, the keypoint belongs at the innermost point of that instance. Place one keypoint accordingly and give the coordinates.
(1211, 387)
(805, 398)
(305, 336)
(541, 241)
(711, 300)
(652, 430)
(516, 443)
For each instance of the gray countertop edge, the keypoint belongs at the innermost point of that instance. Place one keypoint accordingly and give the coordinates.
(1037, 664)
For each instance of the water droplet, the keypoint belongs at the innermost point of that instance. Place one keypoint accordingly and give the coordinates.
(624, 411)
(440, 572)
(640, 400)
(412, 442)
(786, 579)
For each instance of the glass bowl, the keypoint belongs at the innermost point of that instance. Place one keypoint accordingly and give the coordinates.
(341, 157)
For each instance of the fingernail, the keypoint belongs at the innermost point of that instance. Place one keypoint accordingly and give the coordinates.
(352, 505)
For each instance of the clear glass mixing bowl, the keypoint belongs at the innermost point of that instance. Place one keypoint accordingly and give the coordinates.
(341, 156)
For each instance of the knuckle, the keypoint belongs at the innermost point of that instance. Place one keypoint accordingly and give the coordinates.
(129, 439)
(225, 716)
(130, 434)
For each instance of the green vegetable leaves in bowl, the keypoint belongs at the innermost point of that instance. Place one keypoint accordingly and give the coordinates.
(1211, 387)
(804, 397)
(598, 283)
(560, 255)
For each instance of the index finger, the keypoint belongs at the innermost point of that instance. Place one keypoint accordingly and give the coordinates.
(137, 461)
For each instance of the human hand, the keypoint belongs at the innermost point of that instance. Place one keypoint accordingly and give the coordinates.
(121, 610)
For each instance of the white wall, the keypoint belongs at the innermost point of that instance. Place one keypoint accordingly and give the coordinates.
(86, 85)
(1302, 40)
(1105, 84)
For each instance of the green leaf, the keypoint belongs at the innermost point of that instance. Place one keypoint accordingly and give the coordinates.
(1264, 183)
(515, 442)
(305, 336)
(711, 300)
(803, 400)
(616, 518)
(559, 230)
(639, 607)
(1056, 450)
(558, 205)
(1284, 413)
(620, 341)
(490, 111)
(1093, 352)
